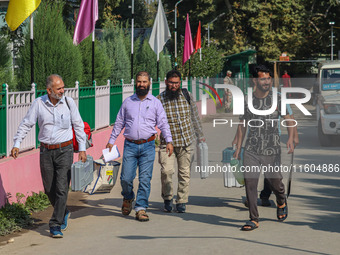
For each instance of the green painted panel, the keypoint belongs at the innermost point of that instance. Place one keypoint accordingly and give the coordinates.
(116, 98)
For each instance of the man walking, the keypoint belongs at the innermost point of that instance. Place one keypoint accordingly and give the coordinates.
(55, 117)
(184, 120)
(139, 114)
(262, 148)
(227, 97)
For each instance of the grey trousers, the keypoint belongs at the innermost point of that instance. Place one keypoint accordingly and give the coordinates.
(55, 167)
(252, 177)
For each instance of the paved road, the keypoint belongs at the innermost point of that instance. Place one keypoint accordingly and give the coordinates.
(214, 215)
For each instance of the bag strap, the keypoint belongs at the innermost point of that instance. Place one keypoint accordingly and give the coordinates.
(69, 109)
(186, 95)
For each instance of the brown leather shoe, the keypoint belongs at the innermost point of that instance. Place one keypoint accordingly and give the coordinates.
(142, 216)
(127, 206)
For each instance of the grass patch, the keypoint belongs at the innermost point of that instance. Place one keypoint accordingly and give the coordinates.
(15, 216)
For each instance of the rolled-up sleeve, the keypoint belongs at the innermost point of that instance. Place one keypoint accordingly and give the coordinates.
(162, 122)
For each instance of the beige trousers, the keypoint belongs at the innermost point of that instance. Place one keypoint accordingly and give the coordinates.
(184, 157)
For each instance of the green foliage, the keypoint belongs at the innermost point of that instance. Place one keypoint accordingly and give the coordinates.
(102, 62)
(146, 59)
(164, 64)
(54, 51)
(15, 216)
(211, 64)
(124, 13)
(6, 74)
(37, 202)
(113, 43)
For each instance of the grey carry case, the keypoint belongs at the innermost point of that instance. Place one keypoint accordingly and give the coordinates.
(203, 159)
(81, 174)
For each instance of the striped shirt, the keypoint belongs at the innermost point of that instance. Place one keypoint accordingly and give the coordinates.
(183, 119)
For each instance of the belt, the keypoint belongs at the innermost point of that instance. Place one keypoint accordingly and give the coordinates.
(151, 138)
(56, 146)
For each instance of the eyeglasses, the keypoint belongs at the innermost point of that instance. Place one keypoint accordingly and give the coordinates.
(173, 83)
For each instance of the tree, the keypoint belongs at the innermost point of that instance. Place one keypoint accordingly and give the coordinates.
(211, 64)
(113, 43)
(146, 59)
(102, 69)
(54, 51)
(6, 74)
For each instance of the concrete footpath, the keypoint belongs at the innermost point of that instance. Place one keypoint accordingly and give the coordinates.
(214, 214)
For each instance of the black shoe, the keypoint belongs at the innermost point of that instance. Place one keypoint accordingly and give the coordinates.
(180, 208)
(167, 206)
(265, 202)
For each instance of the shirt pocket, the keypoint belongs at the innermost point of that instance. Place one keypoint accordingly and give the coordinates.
(65, 121)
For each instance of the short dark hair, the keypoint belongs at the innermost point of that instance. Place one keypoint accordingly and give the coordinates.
(263, 69)
(173, 73)
(143, 73)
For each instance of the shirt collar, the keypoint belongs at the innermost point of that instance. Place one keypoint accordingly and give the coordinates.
(135, 97)
(47, 100)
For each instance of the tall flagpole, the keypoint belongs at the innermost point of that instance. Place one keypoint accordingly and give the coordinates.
(157, 66)
(31, 42)
(93, 56)
(132, 27)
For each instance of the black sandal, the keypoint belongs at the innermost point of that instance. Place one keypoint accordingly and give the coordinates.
(250, 225)
(282, 212)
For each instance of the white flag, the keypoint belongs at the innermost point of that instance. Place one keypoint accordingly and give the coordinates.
(160, 32)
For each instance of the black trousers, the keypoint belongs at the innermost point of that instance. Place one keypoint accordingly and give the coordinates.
(55, 167)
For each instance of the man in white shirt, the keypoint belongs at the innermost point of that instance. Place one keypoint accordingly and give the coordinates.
(55, 117)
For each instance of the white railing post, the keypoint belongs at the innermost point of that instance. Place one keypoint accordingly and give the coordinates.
(193, 88)
(201, 91)
(7, 122)
(77, 93)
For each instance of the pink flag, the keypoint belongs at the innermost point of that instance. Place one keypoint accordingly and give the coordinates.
(86, 21)
(188, 45)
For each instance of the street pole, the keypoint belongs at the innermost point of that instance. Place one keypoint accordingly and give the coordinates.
(213, 22)
(332, 24)
(208, 34)
(176, 33)
(132, 28)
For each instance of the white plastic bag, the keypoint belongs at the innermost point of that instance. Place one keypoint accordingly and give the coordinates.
(104, 176)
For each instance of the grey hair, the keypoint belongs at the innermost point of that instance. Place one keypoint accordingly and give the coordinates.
(229, 72)
(50, 79)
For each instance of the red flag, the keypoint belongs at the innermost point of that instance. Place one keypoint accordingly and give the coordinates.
(197, 40)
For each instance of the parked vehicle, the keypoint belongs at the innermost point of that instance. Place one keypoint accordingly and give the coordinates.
(327, 100)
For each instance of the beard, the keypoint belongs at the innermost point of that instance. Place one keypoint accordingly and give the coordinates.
(264, 89)
(172, 94)
(141, 91)
(55, 96)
